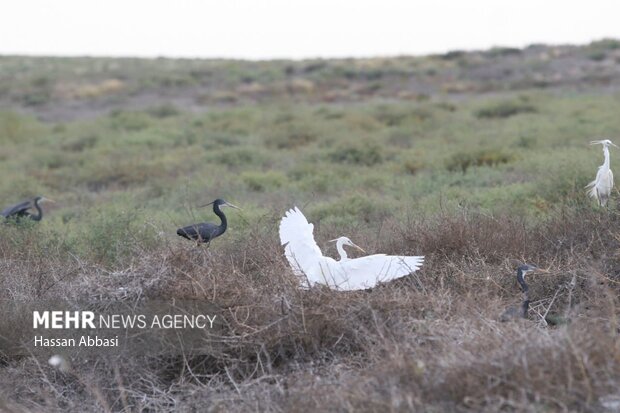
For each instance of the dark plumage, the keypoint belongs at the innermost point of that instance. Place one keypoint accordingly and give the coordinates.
(207, 231)
(514, 312)
(22, 210)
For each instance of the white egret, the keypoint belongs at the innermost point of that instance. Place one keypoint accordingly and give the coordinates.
(600, 188)
(307, 260)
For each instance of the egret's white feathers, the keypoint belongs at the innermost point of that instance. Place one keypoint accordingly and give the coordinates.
(306, 259)
(366, 272)
(300, 249)
(600, 189)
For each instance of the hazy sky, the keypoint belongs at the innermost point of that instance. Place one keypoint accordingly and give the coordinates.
(262, 29)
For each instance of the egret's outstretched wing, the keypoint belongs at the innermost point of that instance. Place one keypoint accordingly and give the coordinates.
(591, 187)
(18, 209)
(300, 249)
(366, 272)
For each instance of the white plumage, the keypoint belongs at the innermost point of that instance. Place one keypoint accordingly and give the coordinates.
(600, 188)
(307, 260)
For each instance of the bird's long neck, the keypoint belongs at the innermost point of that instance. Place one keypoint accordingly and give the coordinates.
(39, 212)
(606, 155)
(217, 211)
(341, 251)
(521, 281)
(526, 294)
(526, 304)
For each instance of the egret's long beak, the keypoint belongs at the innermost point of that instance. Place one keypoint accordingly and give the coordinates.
(232, 206)
(603, 143)
(351, 245)
(48, 200)
(358, 247)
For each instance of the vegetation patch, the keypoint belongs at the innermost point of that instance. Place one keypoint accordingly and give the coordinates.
(263, 181)
(462, 161)
(358, 153)
(496, 52)
(238, 157)
(165, 110)
(290, 134)
(505, 109)
(475, 194)
(129, 120)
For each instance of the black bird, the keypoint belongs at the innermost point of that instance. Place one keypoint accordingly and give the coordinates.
(206, 231)
(22, 210)
(512, 313)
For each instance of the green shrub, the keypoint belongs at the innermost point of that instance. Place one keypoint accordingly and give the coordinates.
(390, 115)
(175, 80)
(11, 126)
(165, 110)
(329, 113)
(36, 98)
(598, 50)
(447, 106)
(401, 138)
(263, 181)
(597, 55)
(214, 140)
(113, 235)
(81, 143)
(319, 182)
(526, 142)
(129, 120)
(38, 92)
(351, 210)
(235, 157)
(505, 109)
(453, 55)
(413, 166)
(291, 134)
(605, 44)
(462, 161)
(502, 52)
(358, 153)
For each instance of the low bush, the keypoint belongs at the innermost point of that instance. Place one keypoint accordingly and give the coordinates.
(464, 160)
(505, 109)
(263, 181)
(365, 153)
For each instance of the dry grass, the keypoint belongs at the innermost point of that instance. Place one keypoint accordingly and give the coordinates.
(430, 342)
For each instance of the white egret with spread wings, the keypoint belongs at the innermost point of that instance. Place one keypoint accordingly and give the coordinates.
(307, 260)
(600, 188)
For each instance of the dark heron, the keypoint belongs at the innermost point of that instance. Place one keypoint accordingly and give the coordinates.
(23, 209)
(513, 312)
(206, 231)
